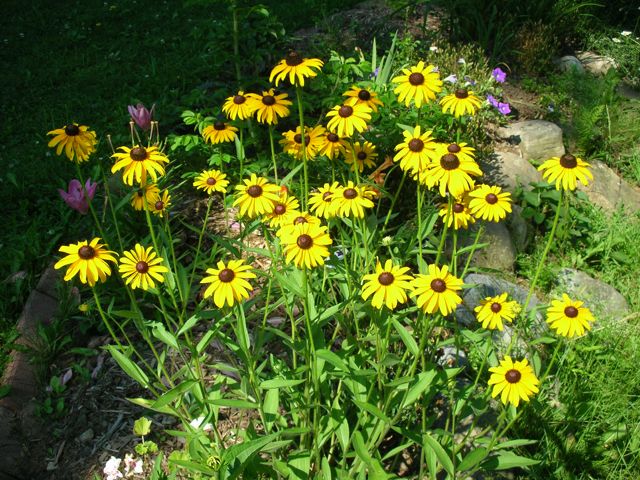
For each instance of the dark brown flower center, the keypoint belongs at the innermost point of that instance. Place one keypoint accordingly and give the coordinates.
(568, 161)
(305, 242)
(496, 307)
(299, 220)
(140, 193)
(458, 208)
(72, 130)
(254, 191)
(438, 285)
(364, 95)
(461, 93)
(293, 59)
(138, 154)
(226, 275)
(385, 278)
(416, 79)
(513, 376)
(279, 209)
(159, 205)
(269, 100)
(298, 139)
(571, 311)
(449, 161)
(239, 99)
(211, 181)
(142, 267)
(345, 111)
(326, 196)
(219, 126)
(332, 137)
(491, 199)
(350, 193)
(86, 252)
(362, 155)
(416, 145)
(453, 148)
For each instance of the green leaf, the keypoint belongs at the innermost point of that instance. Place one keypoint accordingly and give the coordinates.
(233, 403)
(237, 456)
(204, 341)
(515, 443)
(174, 393)
(142, 427)
(422, 382)
(373, 410)
(441, 454)
(279, 383)
(160, 332)
(333, 359)
(407, 339)
(473, 458)
(130, 368)
(270, 407)
(143, 402)
(193, 467)
(507, 460)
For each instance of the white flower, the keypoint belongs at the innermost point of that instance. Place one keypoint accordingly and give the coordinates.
(462, 61)
(625, 33)
(207, 427)
(111, 469)
(132, 465)
(433, 48)
(616, 40)
(451, 78)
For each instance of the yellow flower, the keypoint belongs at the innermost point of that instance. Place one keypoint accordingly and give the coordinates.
(284, 210)
(451, 170)
(357, 95)
(568, 317)
(348, 118)
(256, 197)
(313, 141)
(211, 181)
(289, 223)
(306, 245)
(146, 194)
(461, 102)
(489, 203)
(416, 152)
(237, 107)
(565, 171)
(86, 259)
(460, 215)
(493, 310)
(351, 200)
(228, 282)
(141, 268)
(389, 285)
(138, 162)
(161, 205)
(320, 202)
(332, 146)
(419, 83)
(268, 107)
(77, 141)
(219, 132)
(437, 290)
(295, 68)
(361, 155)
(515, 381)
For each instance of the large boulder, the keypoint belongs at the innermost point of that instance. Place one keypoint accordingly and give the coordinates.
(500, 253)
(596, 64)
(609, 191)
(510, 170)
(536, 139)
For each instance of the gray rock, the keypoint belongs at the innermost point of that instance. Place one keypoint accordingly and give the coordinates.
(519, 229)
(609, 191)
(510, 170)
(606, 303)
(500, 254)
(569, 63)
(596, 64)
(536, 139)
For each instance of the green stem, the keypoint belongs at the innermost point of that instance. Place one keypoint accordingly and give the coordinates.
(93, 212)
(273, 153)
(445, 229)
(195, 261)
(305, 196)
(113, 211)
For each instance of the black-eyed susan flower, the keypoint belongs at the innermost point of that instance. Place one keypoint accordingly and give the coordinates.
(320, 201)
(568, 317)
(357, 95)
(492, 311)
(146, 194)
(256, 197)
(86, 259)
(219, 132)
(285, 209)
(332, 146)
(451, 169)
(236, 107)
(351, 200)
(459, 216)
(513, 381)
(419, 84)
(388, 285)
(138, 163)
(360, 155)
(306, 245)
(211, 181)
(437, 290)
(289, 223)
(416, 152)
(565, 171)
(295, 69)
(347, 119)
(228, 282)
(269, 106)
(161, 204)
(461, 102)
(313, 141)
(489, 202)
(77, 141)
(142, 268)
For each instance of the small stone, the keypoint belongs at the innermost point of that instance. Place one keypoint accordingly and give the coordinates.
(86, 436)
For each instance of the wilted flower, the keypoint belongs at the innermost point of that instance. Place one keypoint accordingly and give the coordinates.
(77, 197)
(132, 465)
(499, 75)
(141, 116)
(111, 469)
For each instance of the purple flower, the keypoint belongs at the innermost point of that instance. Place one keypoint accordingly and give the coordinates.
(492, 101)
(75, 196)
(504, 108)
(451, 78)
(469, 80)
(141, 115)
(499, 75)
(375, 73)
